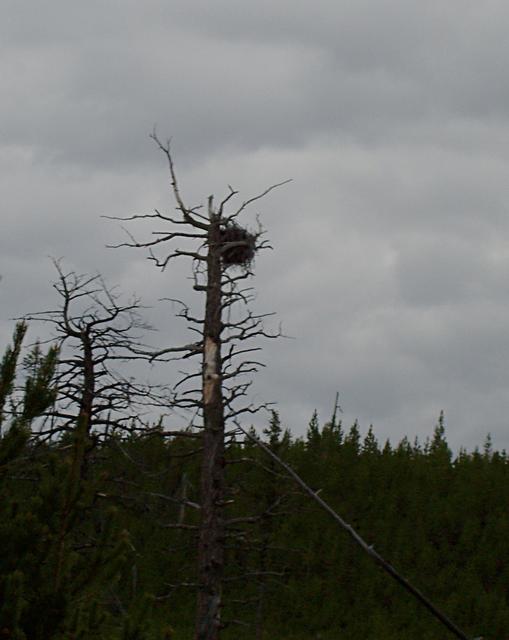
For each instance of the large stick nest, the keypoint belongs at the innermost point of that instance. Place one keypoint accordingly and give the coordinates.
(238, 246)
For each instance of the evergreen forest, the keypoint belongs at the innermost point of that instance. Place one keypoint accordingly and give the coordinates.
(98, 535)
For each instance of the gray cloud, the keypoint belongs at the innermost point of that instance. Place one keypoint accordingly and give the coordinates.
(390, 264)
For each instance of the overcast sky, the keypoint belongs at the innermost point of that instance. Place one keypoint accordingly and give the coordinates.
(391, 246)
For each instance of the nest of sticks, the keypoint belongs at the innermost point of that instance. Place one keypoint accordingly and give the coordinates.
(238, 246)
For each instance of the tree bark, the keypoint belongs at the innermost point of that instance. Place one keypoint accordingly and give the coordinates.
(88, 394)
(211, 542)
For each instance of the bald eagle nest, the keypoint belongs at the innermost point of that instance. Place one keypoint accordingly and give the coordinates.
(238, 246)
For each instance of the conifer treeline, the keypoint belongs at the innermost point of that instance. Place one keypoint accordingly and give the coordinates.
(98, 539)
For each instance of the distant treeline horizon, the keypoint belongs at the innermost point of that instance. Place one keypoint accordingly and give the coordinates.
(120, 536)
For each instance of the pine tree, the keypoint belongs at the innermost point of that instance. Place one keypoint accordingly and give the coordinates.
(313, 432)
(55, 565)
(274, 430)
(370, 443)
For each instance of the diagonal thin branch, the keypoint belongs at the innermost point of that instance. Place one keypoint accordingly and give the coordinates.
(369, 549)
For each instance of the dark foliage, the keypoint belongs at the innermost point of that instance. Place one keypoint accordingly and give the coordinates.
(290, 572)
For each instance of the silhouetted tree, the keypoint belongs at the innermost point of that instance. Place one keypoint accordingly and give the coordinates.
(222, 254)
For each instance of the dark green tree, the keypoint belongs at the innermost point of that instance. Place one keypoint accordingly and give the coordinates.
(60, 558)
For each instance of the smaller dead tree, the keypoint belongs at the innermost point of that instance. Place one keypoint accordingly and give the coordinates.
(95, 333)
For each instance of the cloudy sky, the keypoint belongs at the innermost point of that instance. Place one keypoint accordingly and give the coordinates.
(391, 246)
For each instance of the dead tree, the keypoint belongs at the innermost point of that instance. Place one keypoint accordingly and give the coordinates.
(94, 332)
(222, 254)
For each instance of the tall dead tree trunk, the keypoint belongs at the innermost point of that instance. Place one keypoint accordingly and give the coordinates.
(223, 244)
(211, 542)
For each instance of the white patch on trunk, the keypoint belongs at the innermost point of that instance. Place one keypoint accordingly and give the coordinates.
(210, 374)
